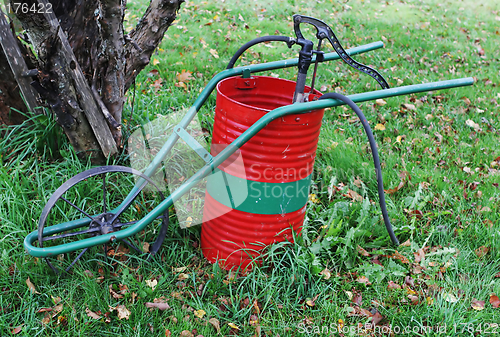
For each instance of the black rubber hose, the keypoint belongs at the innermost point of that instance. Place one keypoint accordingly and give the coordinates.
(289, 41)
(376, 160)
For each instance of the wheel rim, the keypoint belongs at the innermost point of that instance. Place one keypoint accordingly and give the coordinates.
(97, 194)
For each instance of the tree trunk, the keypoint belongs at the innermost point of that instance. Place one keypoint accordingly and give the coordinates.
(85, 85)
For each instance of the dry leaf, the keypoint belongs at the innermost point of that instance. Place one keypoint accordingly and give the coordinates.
(419, 255)
(199, 313)
(31, 286)
(152, 283)
(364, 280)
(186, 333)
(449, 297)
(182, 276)
(184, 76)
(180, 270)
(214, 53)
(168, 333)
(123, 312)
(114, 294)
(326, 274)
(409, 107)
(380, 102)
(155, 62)
(380, 127)
(310, 302)
(157, 305)
(362, 251)
(477, 305)
(354, 195)
(92, 314)
(481, 251)
(215, 323)
(494, 301)
(392, 285)
(17, 329)
(473, 124)
(400, 257)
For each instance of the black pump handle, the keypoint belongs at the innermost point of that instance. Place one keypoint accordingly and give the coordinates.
(325, 32)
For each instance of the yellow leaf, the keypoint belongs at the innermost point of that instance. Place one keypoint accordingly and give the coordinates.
(411, 291)
(398, 139)
(199, 313)
(234, 326)
(380, 102)
(180, 269)
(380, 127)
(214, 53)
(430, 300)
(155, 62)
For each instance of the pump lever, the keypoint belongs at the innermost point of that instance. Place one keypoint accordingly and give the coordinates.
(325, 32)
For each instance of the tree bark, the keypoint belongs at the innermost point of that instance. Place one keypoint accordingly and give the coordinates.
(102, 54)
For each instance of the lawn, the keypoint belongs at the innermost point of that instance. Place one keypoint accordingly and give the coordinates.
(440, 159)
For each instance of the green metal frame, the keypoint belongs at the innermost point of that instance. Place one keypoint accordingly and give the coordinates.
(227, 152)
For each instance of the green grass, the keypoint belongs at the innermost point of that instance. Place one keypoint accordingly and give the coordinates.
(449, 208)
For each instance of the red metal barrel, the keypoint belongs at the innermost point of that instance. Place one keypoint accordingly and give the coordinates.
(250, 206)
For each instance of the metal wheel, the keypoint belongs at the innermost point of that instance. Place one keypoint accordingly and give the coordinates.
(97, 196)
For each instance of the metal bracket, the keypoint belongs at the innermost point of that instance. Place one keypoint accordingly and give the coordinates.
(192, 143)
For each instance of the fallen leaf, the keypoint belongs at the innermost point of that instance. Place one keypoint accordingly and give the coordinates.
(214, 53)
(376, 318)
(215, 323)
(199, 313)
(357, 299)
(122, 311)
(114, 294)
(409, 281)
(477, 305)
(184, 76)
(393, 286)
(17, 329)
(310, 302)
(364, 280)
(494, 301)
(168, 333)
(481, 251)
(152, 283)
(473, 124)
(92, 314)
(182, 276)
(155, 62)
(380, 127)
(449, 297)
(354, 195)
(186, 333)
(234, 326)
(362, 251)
(414, 299)
(400, 257)
(326, 274)
(409, 107)
(419, 255)
(180, 269)
(380, 102)
(31, 286)
(159, 305)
